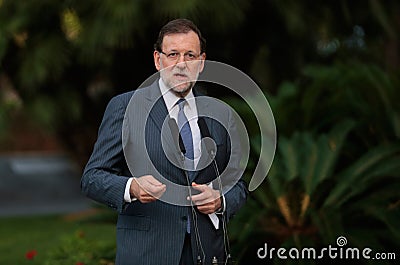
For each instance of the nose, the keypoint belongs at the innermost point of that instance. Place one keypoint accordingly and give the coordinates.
(181, 59)
(181, 63)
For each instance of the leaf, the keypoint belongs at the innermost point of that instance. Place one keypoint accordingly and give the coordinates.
(327, 151)
(329, 223)
(349, 179)
(289, 155)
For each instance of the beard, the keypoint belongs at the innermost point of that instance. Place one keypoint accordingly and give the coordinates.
(178, 80)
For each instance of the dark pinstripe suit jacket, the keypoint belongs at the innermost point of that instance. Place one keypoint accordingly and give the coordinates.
(153, 233)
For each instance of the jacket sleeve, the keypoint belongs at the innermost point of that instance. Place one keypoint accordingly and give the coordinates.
(237, 194)
(106, 174)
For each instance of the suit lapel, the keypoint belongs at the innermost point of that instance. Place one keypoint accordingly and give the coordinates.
(158, 113)
(202, 104)
(156, 105)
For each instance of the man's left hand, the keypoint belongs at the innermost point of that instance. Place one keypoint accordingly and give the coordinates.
(208, 200)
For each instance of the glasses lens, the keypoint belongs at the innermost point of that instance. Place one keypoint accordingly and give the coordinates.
(188, 56)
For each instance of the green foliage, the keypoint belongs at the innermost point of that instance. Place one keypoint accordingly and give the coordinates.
(95, 50)
(326, 95)
(66, 63)
(310, 198)
(55, 239)
(76, 249)
(335, 172)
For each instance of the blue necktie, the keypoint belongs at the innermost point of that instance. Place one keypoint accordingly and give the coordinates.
(187, 139)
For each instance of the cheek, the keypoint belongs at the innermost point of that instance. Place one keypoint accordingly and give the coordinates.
(166, 66)
(166, 71)
(195, 67)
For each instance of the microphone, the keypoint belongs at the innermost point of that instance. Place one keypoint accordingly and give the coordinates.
(176, 136)
(205, 133)
(203, 127)
(211, 149)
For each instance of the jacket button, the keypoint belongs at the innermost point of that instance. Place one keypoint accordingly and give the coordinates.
(184, 218)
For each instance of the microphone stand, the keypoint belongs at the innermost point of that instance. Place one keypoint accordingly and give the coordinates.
(181, 150)
(211, 151)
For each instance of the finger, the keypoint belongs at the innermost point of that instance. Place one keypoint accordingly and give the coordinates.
(148, 181)
(206, 208)
(199, 187)
(146, 198)
(203, 201)
(159, 194)
(203, 195)
(154, 192)
(153, 181)
(153, 189)
(198, 197)
(145, 195)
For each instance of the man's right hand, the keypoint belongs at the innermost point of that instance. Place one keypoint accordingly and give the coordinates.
(146, 189)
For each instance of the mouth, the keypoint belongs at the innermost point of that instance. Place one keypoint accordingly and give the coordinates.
(181, 76)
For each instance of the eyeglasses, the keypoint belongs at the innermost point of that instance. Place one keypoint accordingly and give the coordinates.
(174, 56)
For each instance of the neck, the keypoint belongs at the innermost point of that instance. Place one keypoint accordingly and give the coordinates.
(181, 94)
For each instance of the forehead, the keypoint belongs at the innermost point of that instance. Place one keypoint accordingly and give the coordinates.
(181, 42)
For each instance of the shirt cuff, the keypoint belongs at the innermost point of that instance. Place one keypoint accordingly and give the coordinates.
(127, 194)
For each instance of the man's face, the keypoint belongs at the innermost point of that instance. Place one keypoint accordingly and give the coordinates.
(180, 61)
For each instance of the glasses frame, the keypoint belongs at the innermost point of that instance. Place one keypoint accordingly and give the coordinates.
(170, 56)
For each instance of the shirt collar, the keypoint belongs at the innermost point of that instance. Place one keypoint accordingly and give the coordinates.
(170, 98)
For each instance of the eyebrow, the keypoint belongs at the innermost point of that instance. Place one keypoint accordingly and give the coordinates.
(175, 50)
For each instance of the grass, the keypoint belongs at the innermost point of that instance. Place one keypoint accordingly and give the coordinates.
(19, 235)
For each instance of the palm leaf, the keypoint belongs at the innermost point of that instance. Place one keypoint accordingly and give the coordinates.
(289, 153)
(358, 172)
(322, 155)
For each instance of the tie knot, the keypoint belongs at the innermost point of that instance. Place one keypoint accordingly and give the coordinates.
(181, 102)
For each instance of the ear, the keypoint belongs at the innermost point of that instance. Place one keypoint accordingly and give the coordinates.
(202, 58)
(157, 59)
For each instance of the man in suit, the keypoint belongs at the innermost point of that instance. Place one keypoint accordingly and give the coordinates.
(171, 211)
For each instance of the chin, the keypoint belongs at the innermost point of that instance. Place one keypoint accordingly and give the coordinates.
(182, 87)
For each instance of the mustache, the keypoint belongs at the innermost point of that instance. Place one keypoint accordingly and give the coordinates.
(180, 72)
